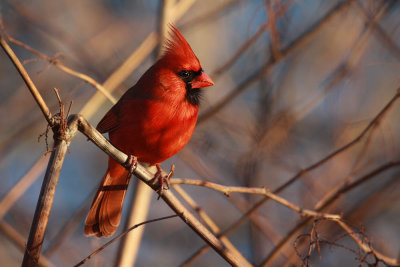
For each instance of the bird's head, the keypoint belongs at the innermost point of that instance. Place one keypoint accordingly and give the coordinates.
(181, 68)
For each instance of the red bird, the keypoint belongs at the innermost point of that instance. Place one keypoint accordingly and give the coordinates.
(152, 121)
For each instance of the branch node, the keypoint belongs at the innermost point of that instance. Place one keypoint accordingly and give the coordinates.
(60, 129)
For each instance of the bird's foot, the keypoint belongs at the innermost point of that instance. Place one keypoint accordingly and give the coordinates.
(163, 180)
(131, 164)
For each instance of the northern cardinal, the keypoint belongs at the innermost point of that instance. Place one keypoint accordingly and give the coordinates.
(152, 121)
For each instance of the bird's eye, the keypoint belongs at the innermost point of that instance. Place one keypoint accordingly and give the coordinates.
(184, 73)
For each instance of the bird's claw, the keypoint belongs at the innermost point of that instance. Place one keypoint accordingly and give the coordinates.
(131, 164)
(163, 180)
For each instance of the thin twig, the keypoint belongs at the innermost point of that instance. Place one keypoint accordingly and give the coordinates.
(258, 191)
(66, 69)
(51, 31)
(121, 235)
(29, 83)
(373, 123)
(367, 248)
(357, 182)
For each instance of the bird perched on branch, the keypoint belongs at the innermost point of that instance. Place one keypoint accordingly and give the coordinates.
(151, 122)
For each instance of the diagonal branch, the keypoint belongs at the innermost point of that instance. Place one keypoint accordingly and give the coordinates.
(211, 224)
(77, 122)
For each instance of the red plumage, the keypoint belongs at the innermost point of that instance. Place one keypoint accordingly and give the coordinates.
(153, 120)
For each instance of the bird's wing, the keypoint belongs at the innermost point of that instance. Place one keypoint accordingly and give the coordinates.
(109, 122)
(128, 110)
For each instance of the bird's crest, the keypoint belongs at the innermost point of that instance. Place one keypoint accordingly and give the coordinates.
(178, 50)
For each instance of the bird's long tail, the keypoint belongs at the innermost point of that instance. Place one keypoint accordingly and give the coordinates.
(105, 213)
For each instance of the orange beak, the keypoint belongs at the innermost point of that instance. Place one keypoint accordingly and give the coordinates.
(201, 81)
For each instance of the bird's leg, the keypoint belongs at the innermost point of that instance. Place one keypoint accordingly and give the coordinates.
(131, 164)
(163, 179)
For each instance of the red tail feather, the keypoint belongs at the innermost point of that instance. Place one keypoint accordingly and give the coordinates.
(105, 214)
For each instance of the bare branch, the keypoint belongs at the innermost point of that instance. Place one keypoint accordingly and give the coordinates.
(44, 204)
(366, 248)
(258, 191)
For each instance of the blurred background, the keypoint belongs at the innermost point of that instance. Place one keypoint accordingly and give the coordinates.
(294, 82)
